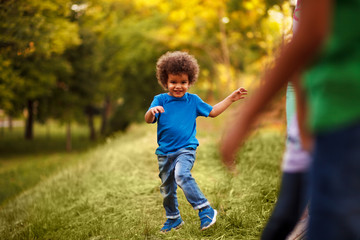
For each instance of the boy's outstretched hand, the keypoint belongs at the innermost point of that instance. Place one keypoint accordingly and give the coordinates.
(224, 104)
(238, 94)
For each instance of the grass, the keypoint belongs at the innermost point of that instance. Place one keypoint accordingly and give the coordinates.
(24, 163)
(48, 139)
(112, 191)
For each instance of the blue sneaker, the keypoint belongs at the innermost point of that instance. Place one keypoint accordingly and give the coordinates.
(172, 223)
(207, 217)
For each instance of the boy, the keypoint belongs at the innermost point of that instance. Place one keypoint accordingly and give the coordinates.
(327, 48)
(175, 113)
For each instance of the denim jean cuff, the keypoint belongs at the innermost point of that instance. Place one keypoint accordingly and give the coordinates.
(202, 205)
(173, 217)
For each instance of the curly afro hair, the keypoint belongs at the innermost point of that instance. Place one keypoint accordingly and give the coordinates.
(176, 63)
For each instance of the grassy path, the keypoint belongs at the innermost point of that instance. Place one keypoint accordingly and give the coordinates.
(24, 163)
(112, 192)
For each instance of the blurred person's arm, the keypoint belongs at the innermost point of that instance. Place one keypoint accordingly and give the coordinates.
(313, 29)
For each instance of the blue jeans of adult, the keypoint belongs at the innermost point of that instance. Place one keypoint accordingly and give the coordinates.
(175, 171)
(335, 185)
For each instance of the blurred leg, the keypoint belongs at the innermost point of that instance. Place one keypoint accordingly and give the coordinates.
(289, 207)
(335, 186)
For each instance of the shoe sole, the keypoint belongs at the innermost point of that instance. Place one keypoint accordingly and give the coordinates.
(212, 222)
(176, 228)
(179, 226)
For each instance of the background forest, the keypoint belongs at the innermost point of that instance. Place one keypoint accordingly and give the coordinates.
(76, 61)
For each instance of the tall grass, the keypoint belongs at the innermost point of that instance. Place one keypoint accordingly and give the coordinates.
(112, 192)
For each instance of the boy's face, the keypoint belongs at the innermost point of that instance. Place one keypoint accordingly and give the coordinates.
(178, 85)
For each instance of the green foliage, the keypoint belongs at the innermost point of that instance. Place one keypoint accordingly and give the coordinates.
(10, 81)
(37, 27)
(135, 61)
(33, 36)
(112, 192)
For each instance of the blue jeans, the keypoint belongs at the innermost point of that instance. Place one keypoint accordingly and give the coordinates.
(175, 171)
(335, 186)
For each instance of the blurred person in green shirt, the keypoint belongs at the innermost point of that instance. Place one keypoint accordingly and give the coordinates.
(326, 51)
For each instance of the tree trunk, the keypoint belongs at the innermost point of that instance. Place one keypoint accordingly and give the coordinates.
(10, 123)
(105, 115)
(91, 126)
(47, 130)
(2, 126)
(29, 135)
(68, 136)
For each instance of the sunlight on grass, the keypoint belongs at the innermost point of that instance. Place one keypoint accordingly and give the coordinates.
(112, 192)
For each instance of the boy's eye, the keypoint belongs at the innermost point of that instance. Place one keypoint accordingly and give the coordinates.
(184, 82)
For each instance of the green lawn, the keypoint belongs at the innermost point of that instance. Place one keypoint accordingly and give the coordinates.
(24, 163)
(112, 191)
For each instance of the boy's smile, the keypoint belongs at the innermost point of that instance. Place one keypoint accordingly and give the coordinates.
(178, 84)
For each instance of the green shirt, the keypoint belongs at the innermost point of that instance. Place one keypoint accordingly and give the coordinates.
(333, 82)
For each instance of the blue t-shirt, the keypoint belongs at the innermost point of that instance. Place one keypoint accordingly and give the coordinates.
(176, 127)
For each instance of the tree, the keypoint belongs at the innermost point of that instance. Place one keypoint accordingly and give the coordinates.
(131, 63)
(115, 63)
(32, 33)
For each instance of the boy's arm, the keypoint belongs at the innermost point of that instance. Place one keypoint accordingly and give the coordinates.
(313, 29)
(150, 114)
(224, 104)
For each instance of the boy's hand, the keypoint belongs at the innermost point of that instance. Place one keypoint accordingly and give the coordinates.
(238, 94)
(157, 109)
(150, 114)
